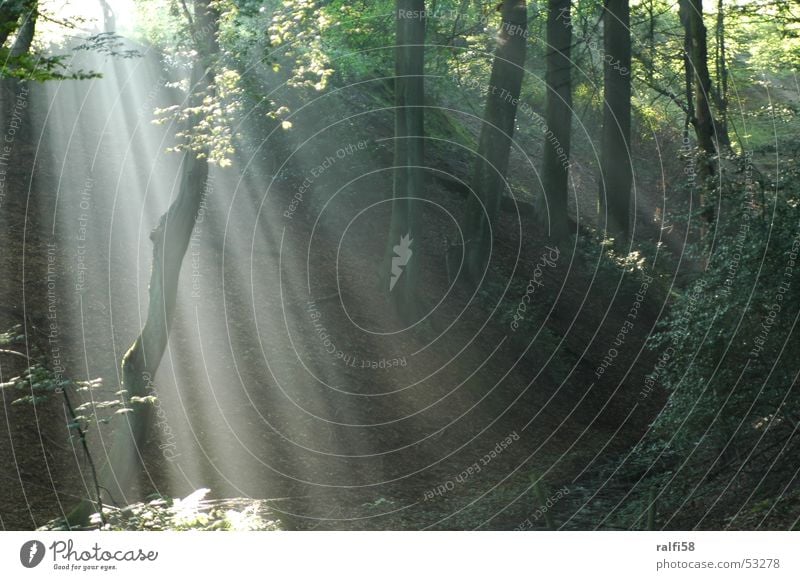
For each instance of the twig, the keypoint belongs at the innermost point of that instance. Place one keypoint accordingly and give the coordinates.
(666, 93)
(22, 354)
(89, 458)
(190, 20)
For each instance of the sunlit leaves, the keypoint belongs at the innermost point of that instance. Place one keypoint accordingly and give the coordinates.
(194, 512)
(300, 24)
(207, 128)
(109, 44)
(146, 400)
(13, 336)
(41, 68)
(38, 384)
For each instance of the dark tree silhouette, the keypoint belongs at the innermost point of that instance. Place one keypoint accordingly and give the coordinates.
(558, 116)
(699, 90)
(494, 143)
(27, 28)
(615, 168)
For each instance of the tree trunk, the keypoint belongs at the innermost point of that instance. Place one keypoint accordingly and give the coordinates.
(10, 12)
(139, 365)
(494, 142)
(109, 18)
(651, 39)
(721, 94)
(616, 172)
(696, 47)
(558, 117)
(688, 74)
(401, 271)
(170, 239)
(27, 28)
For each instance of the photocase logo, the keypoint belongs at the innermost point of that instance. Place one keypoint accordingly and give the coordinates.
(31, 553)
(402, 255)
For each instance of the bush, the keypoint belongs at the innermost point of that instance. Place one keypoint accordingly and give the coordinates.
(732, 357)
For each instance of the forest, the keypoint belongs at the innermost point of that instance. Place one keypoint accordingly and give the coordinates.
(399, 265)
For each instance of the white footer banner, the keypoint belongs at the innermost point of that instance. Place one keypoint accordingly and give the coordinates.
(381, 555)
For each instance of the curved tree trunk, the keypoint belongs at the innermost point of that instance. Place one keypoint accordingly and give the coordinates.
(494, 143)
(170, 239)
(616, 172)
(558, 117)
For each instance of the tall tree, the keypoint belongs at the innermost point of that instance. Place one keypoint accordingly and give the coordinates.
(558, 116)
(721, 94)
(699, 91)
(615, 167)
(401, 271)
(651, 39)
(494, 142)
(170, 239)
